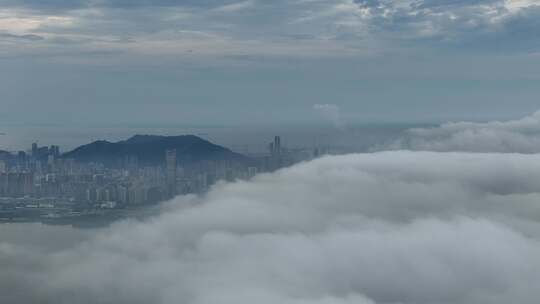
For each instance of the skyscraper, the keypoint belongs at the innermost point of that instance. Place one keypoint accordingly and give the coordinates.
(170, 158)
(271, 148)
(55, 151)
(34, 150)
(275, 160)
(277, 145)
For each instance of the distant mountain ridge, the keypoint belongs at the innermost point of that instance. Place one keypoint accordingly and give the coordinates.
(5, 153)
(150, 150)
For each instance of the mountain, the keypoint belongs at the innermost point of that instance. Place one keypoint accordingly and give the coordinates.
(150, 150)
(5, 154)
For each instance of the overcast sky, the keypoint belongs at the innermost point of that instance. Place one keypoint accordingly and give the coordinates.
(267, 61)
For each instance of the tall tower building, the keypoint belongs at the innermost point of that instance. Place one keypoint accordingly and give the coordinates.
(170, 158)
(277, 145)
(34, 150)
(276, 151)
(55, 151)
(271, 148)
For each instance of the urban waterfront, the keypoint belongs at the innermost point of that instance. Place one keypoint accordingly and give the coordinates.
(42, 184)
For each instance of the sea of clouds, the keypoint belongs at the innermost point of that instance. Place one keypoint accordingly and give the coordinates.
(386, 227)
(521, 136)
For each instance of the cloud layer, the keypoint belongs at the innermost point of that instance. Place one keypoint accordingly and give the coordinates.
(392, 227)
(383, 59)
(519, 136)
(291, 28)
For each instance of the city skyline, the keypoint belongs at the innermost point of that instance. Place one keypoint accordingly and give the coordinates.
(94, 183)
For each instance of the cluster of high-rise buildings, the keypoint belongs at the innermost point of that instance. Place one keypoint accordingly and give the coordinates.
(42, 174)
(277, 155)
(16, 184)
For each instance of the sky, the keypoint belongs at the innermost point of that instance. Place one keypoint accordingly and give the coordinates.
(231, 62)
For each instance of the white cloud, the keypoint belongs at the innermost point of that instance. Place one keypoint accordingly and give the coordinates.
(21, 23)
(235, 7)
(330, 112)
(520, 136)
(394, 227)
(516, 5)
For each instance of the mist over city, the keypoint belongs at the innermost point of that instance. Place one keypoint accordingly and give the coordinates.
(253, 151)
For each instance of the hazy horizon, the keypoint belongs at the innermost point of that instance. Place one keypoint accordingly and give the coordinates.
(252, 138)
